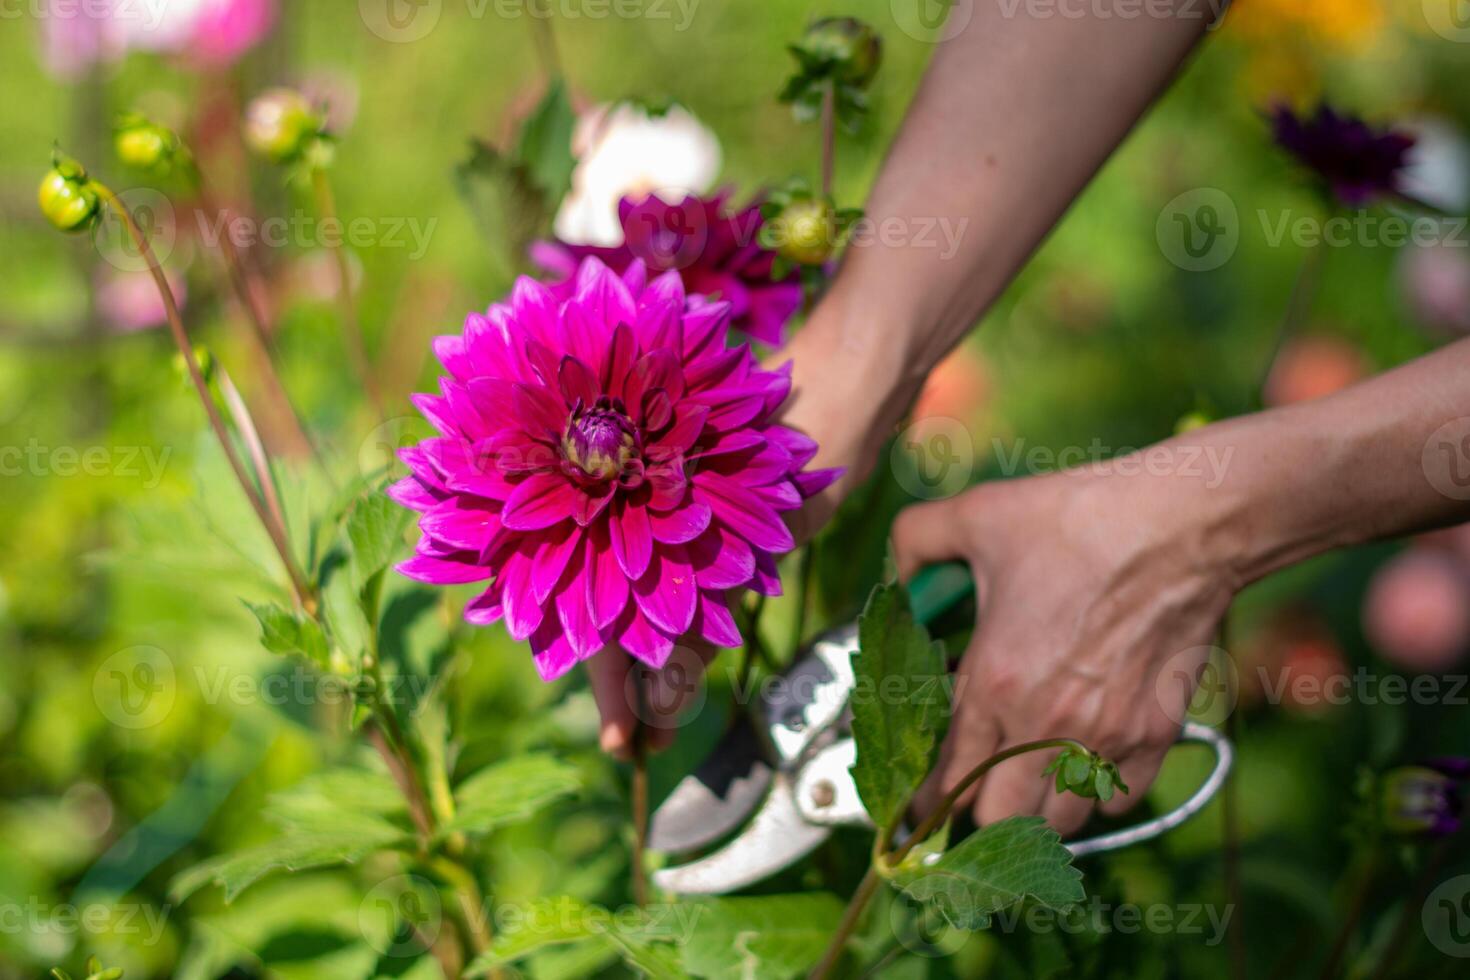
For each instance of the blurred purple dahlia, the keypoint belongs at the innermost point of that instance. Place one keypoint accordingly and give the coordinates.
(715, 253)
(1357, 162)
(608, 464)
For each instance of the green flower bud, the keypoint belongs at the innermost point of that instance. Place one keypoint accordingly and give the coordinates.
(1086, 774)
(67, 197)
(851, 48)
(805, 232)
(144, 144)
(281, 125)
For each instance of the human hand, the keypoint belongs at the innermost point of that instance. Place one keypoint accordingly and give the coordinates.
(1091, 583)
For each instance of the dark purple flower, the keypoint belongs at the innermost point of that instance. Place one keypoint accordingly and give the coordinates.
(1428, 799)
(715, 253)
(1357, 162)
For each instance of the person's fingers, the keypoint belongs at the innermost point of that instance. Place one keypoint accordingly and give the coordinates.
(1016, 786)
(608, 674)
(927, 533)
(672, 690)
(1138, 772)
(1066, 812)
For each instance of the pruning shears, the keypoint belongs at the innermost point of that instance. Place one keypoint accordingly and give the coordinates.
(792, 779)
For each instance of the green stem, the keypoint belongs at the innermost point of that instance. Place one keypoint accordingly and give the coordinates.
(640, 807)
(803, 595)
(277, 533)
(926, 829)
(546, 41)
(1303, 289)
(326, 204)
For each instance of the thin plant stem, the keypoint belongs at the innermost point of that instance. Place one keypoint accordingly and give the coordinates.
(640, 806)
(247, 290)
(1298, 305)
(1357, 902)
(829, 137)
(546, 40)
(1408, 917)
(277, 533)
(803, 595)
(245, 425)
(326, 204)
(925, 830)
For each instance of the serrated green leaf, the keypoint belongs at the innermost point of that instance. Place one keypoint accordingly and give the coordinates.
(351, 800)
(509, 791)
(342, 609)
(559, 921)
(766, 937)
(296, 852)
(994, 868)
(900, 704)
(283, 632)
(375, 532)
(545, 144)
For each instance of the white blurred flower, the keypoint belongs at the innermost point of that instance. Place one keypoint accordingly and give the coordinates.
(622, 151)
(1438, 170)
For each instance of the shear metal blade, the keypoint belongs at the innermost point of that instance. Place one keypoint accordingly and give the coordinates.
(715, 799)
(776, 838)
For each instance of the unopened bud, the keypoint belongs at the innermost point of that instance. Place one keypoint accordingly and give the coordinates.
(66, 196)
(281, 125)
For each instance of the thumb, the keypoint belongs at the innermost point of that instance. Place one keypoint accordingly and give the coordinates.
(925, 534)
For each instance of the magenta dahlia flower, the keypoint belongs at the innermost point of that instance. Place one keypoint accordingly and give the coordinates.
(608, 465)
(715, 253)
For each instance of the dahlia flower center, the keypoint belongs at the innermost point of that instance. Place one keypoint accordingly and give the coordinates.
(601, 441)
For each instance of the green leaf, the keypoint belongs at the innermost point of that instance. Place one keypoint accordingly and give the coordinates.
(558, 921)
(766, 937)
(352, 800)
(294, 852)
(900, 704)
(289, 635)
(545, 144)
(509, 791)
(342, 610)
(994, 868)
(375, 531)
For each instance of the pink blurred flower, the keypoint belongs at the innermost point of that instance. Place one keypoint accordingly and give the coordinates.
(714, 250)
(210, 33)
(76, 36)
(608, 464)
(1417, 612)
(129, 301)
(223, 30)
(1313, 367)
(1435, 283)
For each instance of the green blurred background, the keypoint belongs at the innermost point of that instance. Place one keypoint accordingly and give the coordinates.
(127, 575)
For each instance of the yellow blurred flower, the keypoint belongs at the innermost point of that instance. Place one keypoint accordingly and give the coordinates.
(1344, 24)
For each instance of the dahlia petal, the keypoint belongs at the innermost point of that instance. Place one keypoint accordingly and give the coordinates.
(643, 640)
(812, 482)
(574, 612)
(539, 501)
(537, 409)
(660, 322)
(622, 350)
(589, 502)
(668, 487)
(523, 614)
(771, 308)
(512, 451)
(738, 441)
(443, 571)
(719, 369)
(552, 652)
(496, 398)
(782, 496)
(667, 591)
(534, 308)
(436, 410)
(743, 511)
(602, 294)
(553, 554)
(607, 586)
(722, 560)
(767, 581)
(554, 258)
(450, 352)
(766, 464)
(776, 386)
(680, 525)
(705, 329)
(635, 278)
(577, 382)
(658, 410)
(730, 408)
(461, 525)
(632, 538)
(484, 608)
(656, 369)
(688, 425)
(545, 363)
(410, 492)
(712, 621)
(581, 331)
(800, 446)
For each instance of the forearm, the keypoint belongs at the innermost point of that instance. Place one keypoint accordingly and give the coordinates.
(1013, 118)
(1383, 458)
